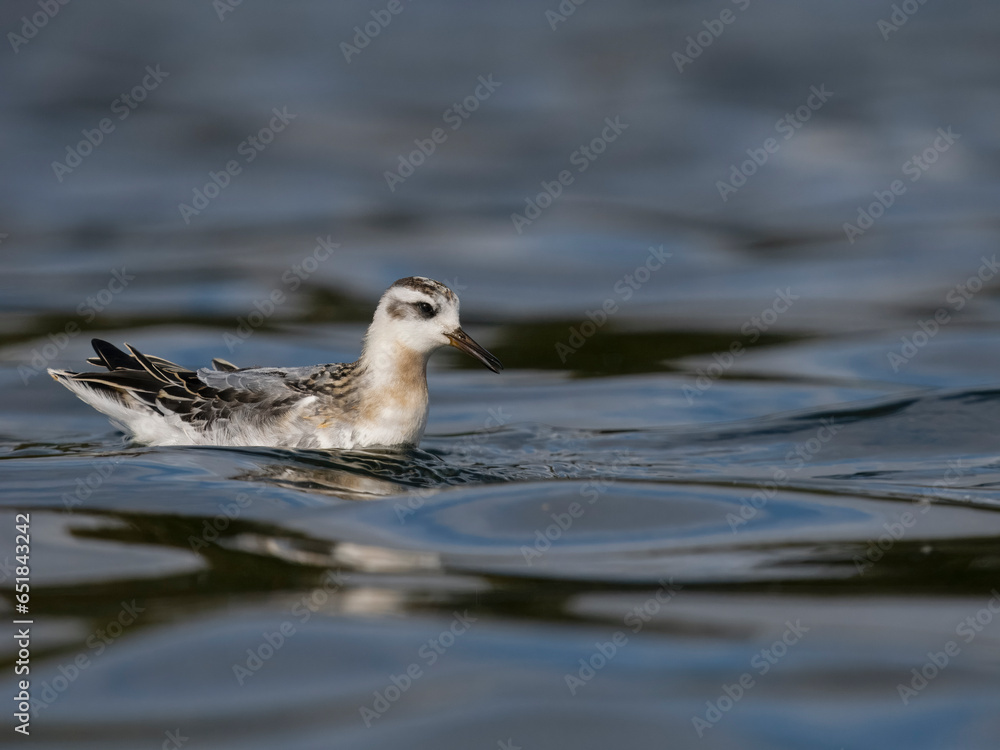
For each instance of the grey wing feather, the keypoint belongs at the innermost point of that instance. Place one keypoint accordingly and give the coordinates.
(274, 391)
(337, 381)
(253, 396)
(257, 395)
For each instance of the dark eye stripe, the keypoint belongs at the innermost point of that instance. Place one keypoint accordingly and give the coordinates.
(425, 309)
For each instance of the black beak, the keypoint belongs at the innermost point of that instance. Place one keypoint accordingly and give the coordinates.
(461, 340)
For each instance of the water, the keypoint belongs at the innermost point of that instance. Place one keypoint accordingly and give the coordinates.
(738, 480)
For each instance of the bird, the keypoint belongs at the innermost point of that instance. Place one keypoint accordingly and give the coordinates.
(378, 400)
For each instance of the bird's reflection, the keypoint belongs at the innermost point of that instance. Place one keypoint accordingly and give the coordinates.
(361, 475)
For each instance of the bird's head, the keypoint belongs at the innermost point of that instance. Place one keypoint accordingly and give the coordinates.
(422, 315)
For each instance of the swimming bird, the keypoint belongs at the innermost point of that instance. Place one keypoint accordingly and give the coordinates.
(379, 400)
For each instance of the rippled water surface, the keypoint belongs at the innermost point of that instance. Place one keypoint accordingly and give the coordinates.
(737, 487)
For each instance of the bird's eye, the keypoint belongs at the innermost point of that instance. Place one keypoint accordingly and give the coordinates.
(426, 309)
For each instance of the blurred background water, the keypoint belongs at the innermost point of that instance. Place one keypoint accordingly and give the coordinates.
(737, 486)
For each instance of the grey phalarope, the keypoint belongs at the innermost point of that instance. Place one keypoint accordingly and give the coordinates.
(381, 399)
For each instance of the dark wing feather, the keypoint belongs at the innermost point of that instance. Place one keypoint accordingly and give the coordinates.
(223, 365)
(111, 356)
(255, 394)
(148, 366)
